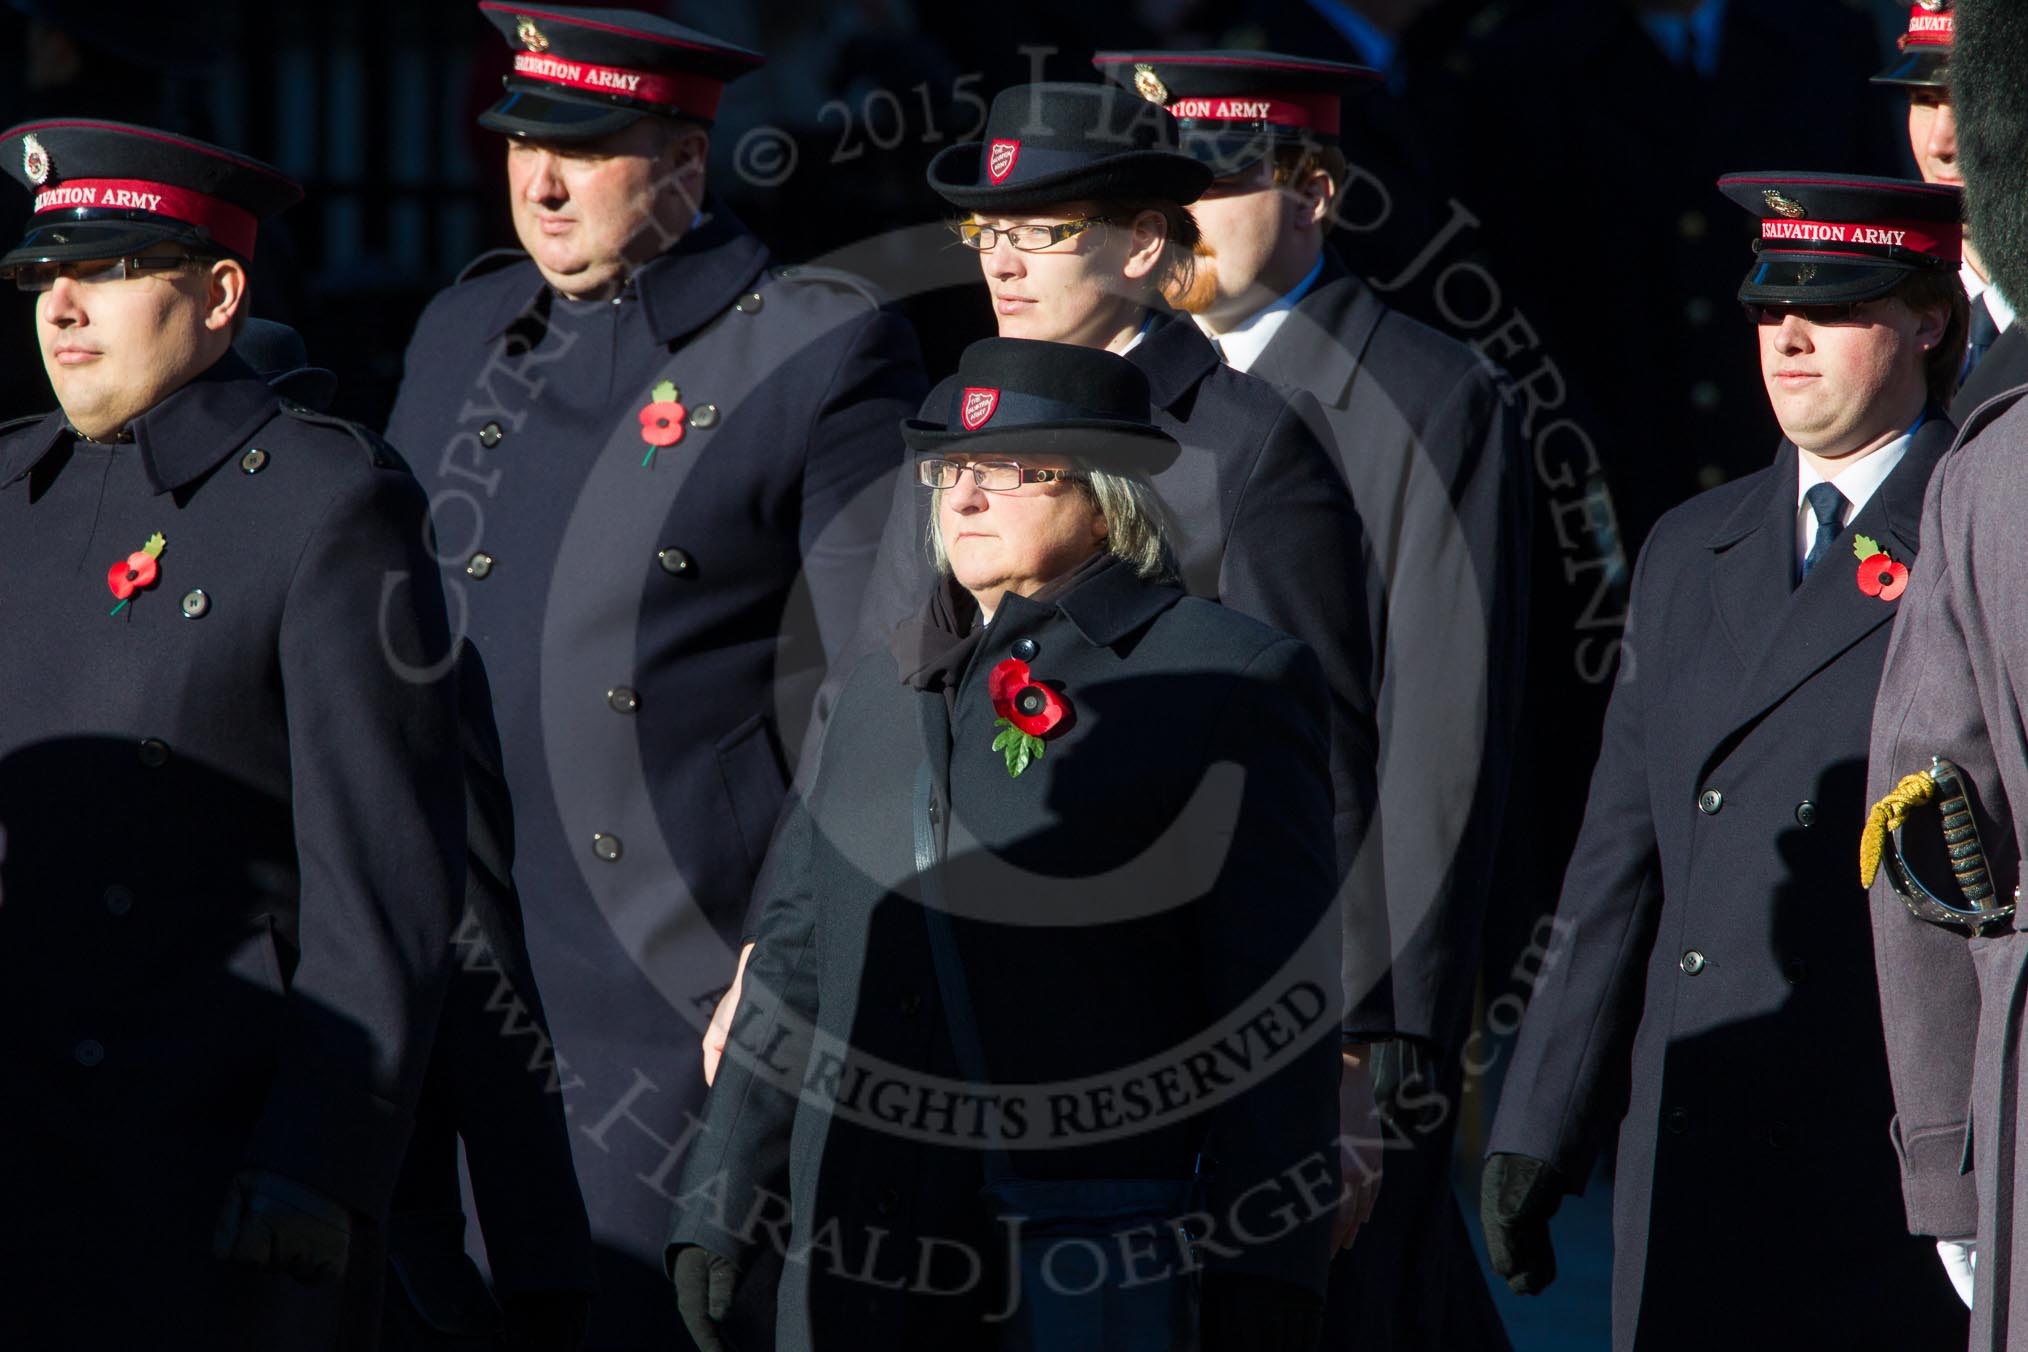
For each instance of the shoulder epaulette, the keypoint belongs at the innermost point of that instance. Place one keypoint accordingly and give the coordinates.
(834, 277)
(377, 451)
(16, 424)
(491, 261)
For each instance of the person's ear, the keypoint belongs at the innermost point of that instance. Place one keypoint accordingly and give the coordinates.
(1146, 236)
(225, 293)
(1315, 191)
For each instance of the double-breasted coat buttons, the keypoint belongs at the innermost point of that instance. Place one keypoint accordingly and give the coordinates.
(1709, 801)
(606, 847)
(154, 753)
(196, 605)
(674, 561)
(490, 434)
(254, 461)
(479, 565)
(623, 699)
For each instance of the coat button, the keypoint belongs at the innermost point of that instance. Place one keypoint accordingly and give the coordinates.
(195, 604)
(479, 565)
(1795, 969)
(154, 753)
(1780, 1135)
(1806, 813)
(489, 435)
(704, 417)
(119, 900)
(606, 847)
(1026, 648)
(935, 810)
(1709, 801)
(1678, 1121)
(911, 1004)
(749, 304)
(889, 1200)
(1693, 963)
(254, 461)
(89, 1052)
(674, 562)
(623, 699)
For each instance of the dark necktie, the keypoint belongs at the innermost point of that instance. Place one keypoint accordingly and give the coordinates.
(1983, 332)
(1826, 503)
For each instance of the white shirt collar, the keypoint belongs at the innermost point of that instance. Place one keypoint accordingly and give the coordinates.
(1996, 304)
(1857, 482)
(1147, 322)
(1242, 344)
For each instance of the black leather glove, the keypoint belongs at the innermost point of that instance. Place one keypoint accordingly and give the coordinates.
(1517, 1196)
(704, 1286)
(1405, 1086)
(546, 1321)
(278, 1225)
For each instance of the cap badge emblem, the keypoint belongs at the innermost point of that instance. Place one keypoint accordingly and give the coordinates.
(531, 36)
(34, 160)
(1786, 206)
(1148, 84)
(977, 408)
(1935, 6)
(1000, 157)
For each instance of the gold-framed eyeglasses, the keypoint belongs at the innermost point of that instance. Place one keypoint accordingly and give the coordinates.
(995, 476)
(96, 271)
(1026, 238)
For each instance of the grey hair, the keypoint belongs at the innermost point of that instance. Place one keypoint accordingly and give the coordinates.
(1137, 525)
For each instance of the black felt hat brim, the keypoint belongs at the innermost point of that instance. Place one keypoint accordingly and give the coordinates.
(1834, 279)
(1103, 443)
(73, 241)
(1164, 175)
(552, 114)
(1917, 69)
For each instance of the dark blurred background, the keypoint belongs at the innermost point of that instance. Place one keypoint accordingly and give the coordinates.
(1536, 178)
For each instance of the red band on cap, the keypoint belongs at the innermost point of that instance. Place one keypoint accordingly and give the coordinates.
(1315, 112)
(232, 226)
(1927, 28)
(1917, 235)
(693, 94)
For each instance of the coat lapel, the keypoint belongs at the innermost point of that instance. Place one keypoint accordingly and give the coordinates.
(1754, 561)
(1320, 346)
(1827, 614)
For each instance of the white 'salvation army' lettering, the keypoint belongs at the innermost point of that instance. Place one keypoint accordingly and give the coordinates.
(1830, 232)
(57, 198)
(571, 72)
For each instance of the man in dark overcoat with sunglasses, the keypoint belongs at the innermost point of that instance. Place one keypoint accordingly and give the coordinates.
(1711, 993)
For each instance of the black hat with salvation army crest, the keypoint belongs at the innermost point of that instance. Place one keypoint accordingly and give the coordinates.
(581, 73)
(1826, 239)
(1234, 107)
(106, 189)
(1048, 144)
(1021, 394)
(1923, 53)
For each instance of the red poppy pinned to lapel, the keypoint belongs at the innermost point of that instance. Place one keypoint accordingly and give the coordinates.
(661, 421)
(1878, 574)
(1029, 712)
(136, 572)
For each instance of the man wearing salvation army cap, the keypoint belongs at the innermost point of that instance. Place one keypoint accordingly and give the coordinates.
(657, 464)
(1951, 985)
(1996, 352)
(1433, 458)
(1716, 999)
(229, 785)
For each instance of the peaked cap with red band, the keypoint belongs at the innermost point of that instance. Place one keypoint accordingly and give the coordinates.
(1826, 239)
(1924, 51)
(580, 73)
(1049, 144)
(1233, 107)
(107, 189)
(1015, 395)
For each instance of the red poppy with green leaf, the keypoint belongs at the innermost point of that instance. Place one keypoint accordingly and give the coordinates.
(661, 420)
(136, 572)
(1029, 711)
(1879, 575)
